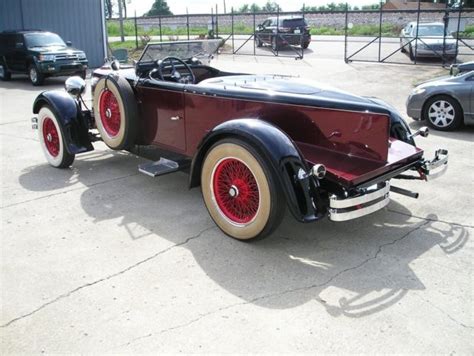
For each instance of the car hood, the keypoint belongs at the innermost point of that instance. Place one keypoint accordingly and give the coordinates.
(56, 50)
(442, 81)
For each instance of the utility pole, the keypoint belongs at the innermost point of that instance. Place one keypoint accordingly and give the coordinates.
(122, 38)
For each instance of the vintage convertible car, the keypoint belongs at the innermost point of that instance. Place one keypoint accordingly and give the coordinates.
(256, 144)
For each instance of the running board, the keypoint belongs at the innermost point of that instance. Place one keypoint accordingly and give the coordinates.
(159, 168)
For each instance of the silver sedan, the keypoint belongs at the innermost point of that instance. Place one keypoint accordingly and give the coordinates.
(445, 103)
(427, 40)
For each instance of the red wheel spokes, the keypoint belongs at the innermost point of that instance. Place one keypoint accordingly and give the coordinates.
(51, 137)
(109, 110)
(236, 190)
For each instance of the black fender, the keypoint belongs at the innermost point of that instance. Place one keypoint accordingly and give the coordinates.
(276, 148)
(72, 121)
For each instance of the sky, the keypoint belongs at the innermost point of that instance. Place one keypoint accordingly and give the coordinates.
(204, 6)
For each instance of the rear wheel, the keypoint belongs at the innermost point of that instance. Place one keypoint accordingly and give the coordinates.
(5, 74)
(36, 77)
(443, 113)
(240, 191)
(52, 140)
(305, 45)
(258, 41)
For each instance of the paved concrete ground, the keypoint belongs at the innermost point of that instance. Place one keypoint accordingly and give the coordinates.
(99, 258)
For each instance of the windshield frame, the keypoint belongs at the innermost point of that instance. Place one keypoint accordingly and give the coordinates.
(203, 54)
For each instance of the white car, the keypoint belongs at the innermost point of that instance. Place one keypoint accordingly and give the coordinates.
(427, 40)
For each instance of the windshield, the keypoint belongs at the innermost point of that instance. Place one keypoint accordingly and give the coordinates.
(433, 30)
(294, 23)
(43, 40)
(184, 50)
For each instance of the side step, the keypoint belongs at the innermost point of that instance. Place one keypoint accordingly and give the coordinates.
(159, 168)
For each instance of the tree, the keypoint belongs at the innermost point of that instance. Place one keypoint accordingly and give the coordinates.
(271, 7)
(109, 9)
(159, 7)
(255, 8)
(244, 9)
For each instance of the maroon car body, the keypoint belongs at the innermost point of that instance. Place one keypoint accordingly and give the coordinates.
(320, 151)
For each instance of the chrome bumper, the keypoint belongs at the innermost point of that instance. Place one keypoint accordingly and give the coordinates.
(369, 201)
(437, 166)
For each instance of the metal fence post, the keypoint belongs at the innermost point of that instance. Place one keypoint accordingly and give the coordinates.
(159, 24)
(457, 33)
(217, 22)
(254, 31)
(380, 29)
(187, 22)
(232, 27)
(136, 31)
(417, 27)
(345, 33)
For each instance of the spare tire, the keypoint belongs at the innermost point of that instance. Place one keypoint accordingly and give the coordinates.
(115, 112)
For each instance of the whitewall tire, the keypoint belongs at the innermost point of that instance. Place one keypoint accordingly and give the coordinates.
(240, 192)
(52, 140)
(115, 112)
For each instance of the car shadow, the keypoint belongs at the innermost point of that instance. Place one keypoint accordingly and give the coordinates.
(354, 268)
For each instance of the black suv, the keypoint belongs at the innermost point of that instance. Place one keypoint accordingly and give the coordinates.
(283, 30)
(39, 54)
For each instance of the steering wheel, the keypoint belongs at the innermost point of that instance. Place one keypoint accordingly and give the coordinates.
(175, 74)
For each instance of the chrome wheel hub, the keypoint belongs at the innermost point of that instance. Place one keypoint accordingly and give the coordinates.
(108, 113)
(49, 137)
(441, 113)
(233, 191)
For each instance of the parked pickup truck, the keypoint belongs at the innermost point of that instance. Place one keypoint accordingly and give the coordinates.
(40, 54)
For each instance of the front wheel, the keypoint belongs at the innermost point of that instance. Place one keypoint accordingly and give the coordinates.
(443, 113)
(402, 48)
(52, 140)
(240, 191)
(36, 77)
(5, 75)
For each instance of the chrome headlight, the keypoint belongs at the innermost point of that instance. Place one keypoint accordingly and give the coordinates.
(417, 91)
(47, 57)
(81, 56)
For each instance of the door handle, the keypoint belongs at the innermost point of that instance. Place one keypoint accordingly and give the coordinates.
(175, 118)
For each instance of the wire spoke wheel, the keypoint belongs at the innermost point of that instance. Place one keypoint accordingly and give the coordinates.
(236, 190)
(51, 139)
(115, 112)
(240, 191)
(109, 113)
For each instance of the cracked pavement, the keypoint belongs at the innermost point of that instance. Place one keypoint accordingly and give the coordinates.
(99, 258)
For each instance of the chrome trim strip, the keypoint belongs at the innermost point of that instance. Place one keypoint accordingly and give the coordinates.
(334, 216)
(334, 202)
